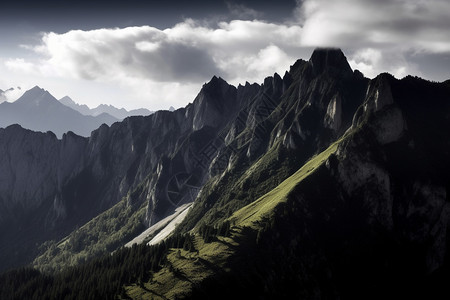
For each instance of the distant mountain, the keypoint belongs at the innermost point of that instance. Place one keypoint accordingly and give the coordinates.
(119, 113)
(81, 108)
(38, 110)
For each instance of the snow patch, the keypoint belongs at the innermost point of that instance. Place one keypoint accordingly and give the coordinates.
(166, 225)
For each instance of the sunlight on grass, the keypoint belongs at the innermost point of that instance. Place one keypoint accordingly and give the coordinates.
(247, 215)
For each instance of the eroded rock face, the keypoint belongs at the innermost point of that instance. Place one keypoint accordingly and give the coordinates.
(333, 117)
(30, 166)
(64, 183)
(71, 180)
(402, 189)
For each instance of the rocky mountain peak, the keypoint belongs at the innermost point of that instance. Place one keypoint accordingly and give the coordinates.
(214, 103)
(216, 84)
(66, 100)
(35, 95)
(36, 90)
(330, 60)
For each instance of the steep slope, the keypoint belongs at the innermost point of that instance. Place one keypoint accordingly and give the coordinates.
(221, 148)
(286, 123)
(222, 133)
(141, 153)
(215, 254)
(38, 110)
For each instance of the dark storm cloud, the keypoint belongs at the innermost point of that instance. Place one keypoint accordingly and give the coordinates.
(433, 66)
(174, 62)
(62, 16)
(243, 12)
(136, 52)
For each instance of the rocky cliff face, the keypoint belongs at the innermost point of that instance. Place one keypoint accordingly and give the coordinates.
(307, 108)
(376, 216)
(371, 221)
(64, 183)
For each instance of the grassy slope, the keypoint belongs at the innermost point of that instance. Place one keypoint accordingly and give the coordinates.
(248, 215)
(187, 269)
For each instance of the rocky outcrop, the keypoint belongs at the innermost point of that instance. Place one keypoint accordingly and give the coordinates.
(402, 191)
(330, 61)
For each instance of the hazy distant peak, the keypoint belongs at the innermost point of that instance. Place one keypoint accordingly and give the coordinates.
(109, 106)
(81, 108)
(37, 96)
(35, 91)
(67, 100)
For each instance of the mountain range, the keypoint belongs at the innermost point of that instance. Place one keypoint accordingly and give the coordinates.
(38, 110)
(117, 113)
(318, 184)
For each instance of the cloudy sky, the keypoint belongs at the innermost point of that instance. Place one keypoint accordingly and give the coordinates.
(157, 54)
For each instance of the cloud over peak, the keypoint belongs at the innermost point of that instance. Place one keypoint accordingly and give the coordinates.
(376, 36)
(404, 24)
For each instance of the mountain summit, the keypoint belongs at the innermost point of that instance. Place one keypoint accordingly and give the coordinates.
(36, 96)
(332, 60)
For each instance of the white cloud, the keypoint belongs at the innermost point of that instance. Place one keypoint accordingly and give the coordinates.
(404, 24)
(378, 35)
(20, 65)
(169, 66)
(11, 94)
(185, 53)
(147, 60)
(268, 60)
